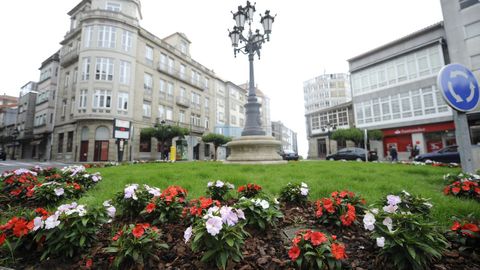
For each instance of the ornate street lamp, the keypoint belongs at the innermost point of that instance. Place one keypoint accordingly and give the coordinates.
(252, 44)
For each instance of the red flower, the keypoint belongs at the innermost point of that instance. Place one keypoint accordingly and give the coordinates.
(41, 211)
(328, 205)
(446, 190)
(317, 238)
(343, 194)
(117, 235)
(466, 186)
(455, 190)
(296, 240)
(241, 188)
(89, 263)
(455, 226)
(21, 228)
(471, 227)
(150, 207)
(2, 238)
(293, 253)
(477, 190)
(138, 231)
(145, 225)
(205, 202)
(338, 251)
(334, 237)
(334, 194)
(76, 186)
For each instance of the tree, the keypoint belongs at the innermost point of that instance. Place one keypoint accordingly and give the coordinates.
(350, 134)
(375, 135)
(164, 135)
(217, 140)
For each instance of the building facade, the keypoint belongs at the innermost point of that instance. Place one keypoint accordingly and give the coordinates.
(287, 136)
(112, 68)
(462, 28)
(8, 119)
(230, 111)
(327, 90)
(25, 120)
(394, 89)
(320, 125)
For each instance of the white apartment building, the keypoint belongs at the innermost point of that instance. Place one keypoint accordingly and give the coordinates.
(112, 68)
(287, 136)
(394, 89)
(326, 91)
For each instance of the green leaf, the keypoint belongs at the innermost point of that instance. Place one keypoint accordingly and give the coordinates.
(230, 242)
(82, 240)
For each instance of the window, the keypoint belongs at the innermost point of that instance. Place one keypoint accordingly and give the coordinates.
(183, 92)
(69, 141)
(169, 113)
(183, 47)
(207, 102)
(163, 61)
(161, 112)
(195, 119)
(72, 106)
(107, 36)
(86, 69)
(113, 6)
(163, 89)
(207, 123)
(171, 65)
(181, 116)
(207, 82)
(147, 109)
(467, 3)
(147, 84)
(67, 79)
(102, 99)
(125, 72)
(88, 36)
(64, 108)
(170, 88)
(149, 55)
(82, 103)
(122, 101)
(104, 69)
(75, 75)
(145, 144)
(127, 40)
(60, 143)
(233, 120)
(182, 71)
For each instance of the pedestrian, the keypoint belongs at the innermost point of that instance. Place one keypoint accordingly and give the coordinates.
(393, 153)
(410, 151)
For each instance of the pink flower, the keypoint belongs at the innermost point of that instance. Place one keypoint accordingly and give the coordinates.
(228, 216)
(187, 234)
(214, 225)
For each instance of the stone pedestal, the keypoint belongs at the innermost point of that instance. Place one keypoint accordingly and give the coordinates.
(254, 150)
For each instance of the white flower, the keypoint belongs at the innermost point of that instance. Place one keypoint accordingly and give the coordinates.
(214, 225)
(429, 205)
(393, 200)
(219, 183)
(381, 241)
(240, 213)
(230, 186)
(369, 221)
(59, 191)
(107, 203)
(96, 177)
(187, 234)
(22, 171)
(210, 184)
(390, 208)
(111, 211)
(389, 223)
(210, 212)
(153, 190)
(304, 185)
(228, 216)
(304, 191)
(264, 204)
(405, 192)
(52, 222)
(130, 191)
(374, 211)
(276, 201)
(37, 223)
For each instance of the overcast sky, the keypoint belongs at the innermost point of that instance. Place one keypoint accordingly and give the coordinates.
(308, 38)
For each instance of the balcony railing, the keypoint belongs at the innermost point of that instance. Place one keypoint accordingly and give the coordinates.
(182, 101)
(193, 128)
(70, 56)
(182, 76)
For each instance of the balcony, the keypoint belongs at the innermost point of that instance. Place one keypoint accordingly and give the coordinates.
(182, 101)
(182, 76)
(70, 57)
(193, 128)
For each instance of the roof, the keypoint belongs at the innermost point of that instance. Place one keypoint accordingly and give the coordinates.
(78, 6)
(180, 34)
(54, 57)
(400, 40)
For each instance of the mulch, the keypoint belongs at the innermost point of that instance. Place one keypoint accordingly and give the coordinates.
(262, 250)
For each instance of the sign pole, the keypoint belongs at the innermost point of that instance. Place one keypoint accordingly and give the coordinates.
(463, 141)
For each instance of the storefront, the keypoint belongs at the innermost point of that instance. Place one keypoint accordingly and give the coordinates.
(427, 138)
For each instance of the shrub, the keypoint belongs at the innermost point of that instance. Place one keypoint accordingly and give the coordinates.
(294, 193)
(406, 239)
(51, 192)
(69, 231)
(18, 184)
(463, 188)
(451, 178)
(413, 203)
(340, 209)
(167, 207)
(260, 213)
(218, 189)
(134, 245)
(249, 190)
(79, 175)
(466, 233)
(219, 235)
(316, 250)
(197, 208)
(134, 198)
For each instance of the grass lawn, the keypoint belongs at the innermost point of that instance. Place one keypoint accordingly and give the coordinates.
(372, 180)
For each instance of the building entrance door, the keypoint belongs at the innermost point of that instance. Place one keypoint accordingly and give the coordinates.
(101, 151)
(83, 151)
(321, 148)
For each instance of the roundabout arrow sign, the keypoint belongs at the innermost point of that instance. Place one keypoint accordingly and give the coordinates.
(459, 87)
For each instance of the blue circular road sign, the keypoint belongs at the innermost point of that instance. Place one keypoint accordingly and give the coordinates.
(459, 87)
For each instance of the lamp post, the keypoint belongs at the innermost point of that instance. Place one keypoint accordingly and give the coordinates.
(329, 128)
(15, 134)
(252, 44)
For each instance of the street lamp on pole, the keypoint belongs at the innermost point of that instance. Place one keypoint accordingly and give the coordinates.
(329, 127)
(252, 44)
(15, 134)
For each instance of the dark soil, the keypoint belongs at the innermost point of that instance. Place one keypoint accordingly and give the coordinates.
(262, 250)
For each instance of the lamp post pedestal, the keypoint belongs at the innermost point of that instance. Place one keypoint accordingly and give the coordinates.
(255, 150)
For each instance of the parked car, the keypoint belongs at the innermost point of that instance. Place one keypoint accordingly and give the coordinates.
(448, 154)
(353, 153)
(289, 155)
(3, 155)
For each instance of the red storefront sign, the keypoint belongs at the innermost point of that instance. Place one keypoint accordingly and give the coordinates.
(419, 129)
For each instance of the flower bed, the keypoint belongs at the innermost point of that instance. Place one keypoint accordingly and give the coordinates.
(206, 233)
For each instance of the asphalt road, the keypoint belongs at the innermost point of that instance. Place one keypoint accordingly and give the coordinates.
(9, 165)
